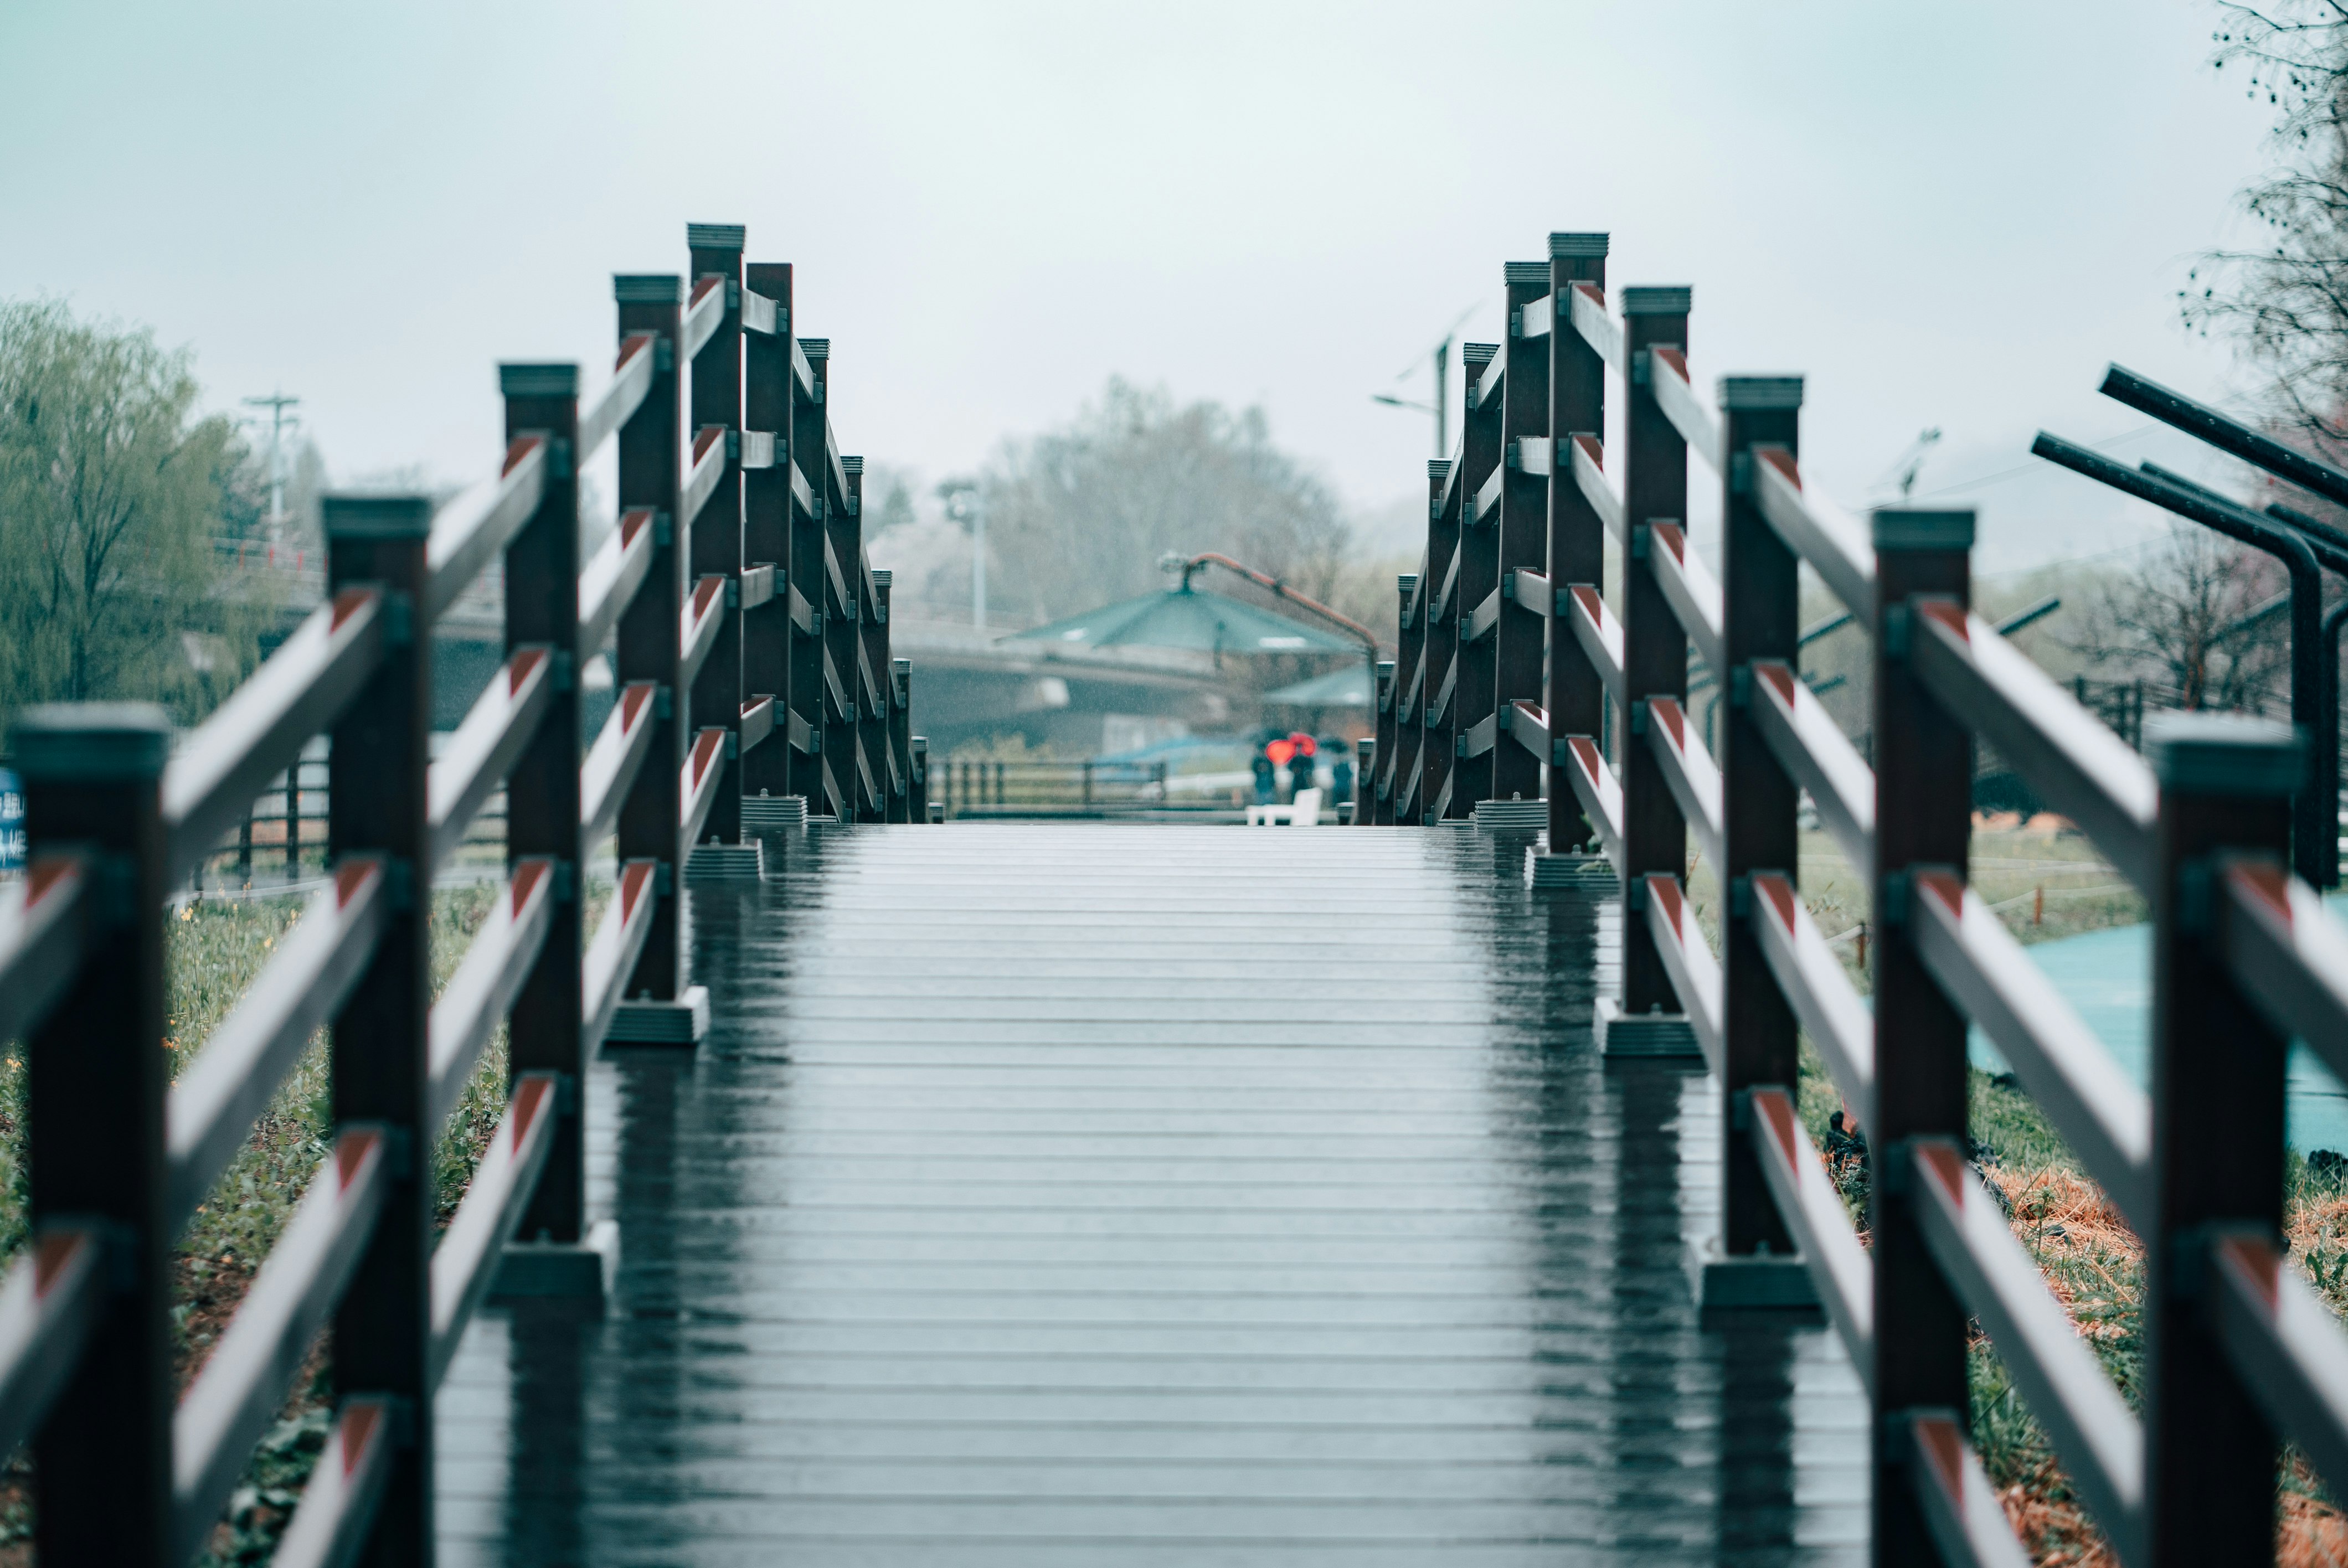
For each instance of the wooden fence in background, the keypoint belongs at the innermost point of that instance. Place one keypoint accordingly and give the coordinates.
(2241, 1355)
(750, 640)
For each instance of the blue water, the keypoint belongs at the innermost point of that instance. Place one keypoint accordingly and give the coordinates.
(2106, 974)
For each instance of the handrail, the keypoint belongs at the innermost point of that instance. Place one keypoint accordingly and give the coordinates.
(1690, 588)
(1590, 476)
(1815, 986)
(708, 468)
(329, 1526)
(260, 730)
(1485, 388)
(1598, 634)
(1668, 377)
(703, 617)
(617, 753)
(1814, 1213)
(1690, 772)
(1970, 1238)
(762, 315)
(2082, 769)
(619, 939)
(1814, 750)
(486, 744)
(43, 937)
(632, 381)
(1694, 972)
(2285, 1343)
(487, 978)
(1814, 530)
(1487, 502)
(51, 1294)
(610, 581)
(2096, 1107)
(703, 767)
(237, 1395)
(212, 1110)
(485, 1221)
(475, 528)
(1599, 329)
(1961, 1507)
(2288, 952)
(1594, 786)
(705, 313)
(1478, 622)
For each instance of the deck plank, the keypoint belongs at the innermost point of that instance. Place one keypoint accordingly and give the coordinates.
(1057, 1195)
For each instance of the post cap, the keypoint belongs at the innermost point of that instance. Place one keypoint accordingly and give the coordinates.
(1658, 300)
(1576, 245)
(920, 742)
(1405, 582)
(881, 576)
(1438, 469)
(1530, 274)
(1385, 666)
(715, 236)
(538, 380)
(852, 466)
(348, 517)
(816, 347)
(67, 742)
(1919, 529)
(1477, 353)
(1750, 391)
(648, 288)
(901, 666)
(2224, 754)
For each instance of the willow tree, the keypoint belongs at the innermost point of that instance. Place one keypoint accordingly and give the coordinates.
(112, 490)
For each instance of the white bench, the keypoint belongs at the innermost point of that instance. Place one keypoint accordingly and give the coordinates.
(1304, 813)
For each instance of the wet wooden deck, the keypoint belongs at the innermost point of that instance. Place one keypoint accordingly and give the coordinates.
(1064, 1194)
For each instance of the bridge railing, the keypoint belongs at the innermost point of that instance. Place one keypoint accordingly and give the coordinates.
(2240, 1354)
(121, 1157)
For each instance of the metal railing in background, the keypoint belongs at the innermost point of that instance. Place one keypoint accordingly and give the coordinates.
(977, 788)
(127, 1473)
(2240, 1354)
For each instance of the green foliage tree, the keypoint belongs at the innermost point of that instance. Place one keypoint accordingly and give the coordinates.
(112, 490)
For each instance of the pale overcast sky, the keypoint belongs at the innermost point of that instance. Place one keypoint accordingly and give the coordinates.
(1947, 215)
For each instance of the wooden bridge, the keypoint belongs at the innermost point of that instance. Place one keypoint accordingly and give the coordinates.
(1428, 1190)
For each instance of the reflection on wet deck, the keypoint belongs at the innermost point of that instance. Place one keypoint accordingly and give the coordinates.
(1075, 1195)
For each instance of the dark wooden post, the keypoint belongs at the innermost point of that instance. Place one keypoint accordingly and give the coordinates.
(843, 591)
(811, 590)
(1402, 775)
(1761, 620)
(766, 392)
(1437, 706)
(906, 807)
(1478, 545)
(874, 724)
(646, 648)
(293, 821)
(2218, 1069)
(97, 1077)
(1575, 548)
(1365, 762)
(542, 789)
(1923, 791)
(1520, 634)
(377, 803)
(921, 749)
(716, 533)
(1373, 793)
(862, 674)
(1655, 469)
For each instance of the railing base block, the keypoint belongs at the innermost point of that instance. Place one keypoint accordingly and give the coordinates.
(1511, 816)
(684, 1021)
(575, 1270)
(774, 814)
(1588, 873)
(1722, 1283)
(727, 863)
(1652, 1036)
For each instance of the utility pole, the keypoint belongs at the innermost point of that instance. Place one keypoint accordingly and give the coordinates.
(969, 506)
(1441, 407)
(277, 403)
